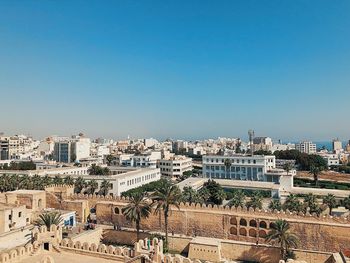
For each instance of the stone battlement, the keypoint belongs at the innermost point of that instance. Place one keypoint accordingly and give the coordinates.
(214, 208)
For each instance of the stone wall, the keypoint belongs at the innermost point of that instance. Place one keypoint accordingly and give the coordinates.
(320, 234)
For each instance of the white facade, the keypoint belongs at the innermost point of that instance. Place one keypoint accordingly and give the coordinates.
(175, 166)
(306, 147)
(127, 180)
(81, 148)
(337, 146)
(242, 167)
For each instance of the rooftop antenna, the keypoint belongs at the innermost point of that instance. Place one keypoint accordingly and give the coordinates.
(251, 138)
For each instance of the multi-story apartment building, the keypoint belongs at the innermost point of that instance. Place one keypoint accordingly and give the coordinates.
(306, 147)
(337, 146)
(262, 143)
(62, 152)
(12, 147)
(175, 166)
(241, 167)
(81, 148)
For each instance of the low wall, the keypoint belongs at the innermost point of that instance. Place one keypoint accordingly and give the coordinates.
(90, 236)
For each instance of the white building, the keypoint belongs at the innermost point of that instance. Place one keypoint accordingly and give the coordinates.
(306, 147)
(262, 143)
(337, 146)
(175, 166)
(331, 159)
(150, 142)
(242, 167)
(81, 148)
(126, 179)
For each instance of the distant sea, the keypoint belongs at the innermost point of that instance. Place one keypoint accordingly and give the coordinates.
(328, 145)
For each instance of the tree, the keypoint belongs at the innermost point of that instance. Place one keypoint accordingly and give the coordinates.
(190, 195)
(79, 185)
(280, 234)
(105, 187)
(310, 202)
(57, 180)
(255, 201)
(330, 201)
(315, 171)
(137, 208)
(275, 204)
(292, 203)
(68, 180)
(98, 170)
(49, 218)
(237, 199)
(346, 202)
(92, 186)
(287, 167)
(37, 182)
(227, 164)
(216, 193)
(164, 199)
(109, 159)
(24, 182)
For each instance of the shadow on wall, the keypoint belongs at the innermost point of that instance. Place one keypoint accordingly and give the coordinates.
(260, 254)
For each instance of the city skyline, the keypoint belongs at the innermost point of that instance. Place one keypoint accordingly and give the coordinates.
(187, 69)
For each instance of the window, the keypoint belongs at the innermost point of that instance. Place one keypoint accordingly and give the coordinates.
(10, 217)
(19, 214)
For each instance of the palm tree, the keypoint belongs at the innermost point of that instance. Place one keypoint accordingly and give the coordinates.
(292, 203)
(281, 235)
(219, 196)
(92, 185)
(37, 182)
(237, 199)
(57, 180)
(137, 208)
(105, 187)
(47, 180)
(49, 218)
(310, 202)
(68, 180)
(255, 201)
(346, 202)
(227, 164)
(287, 167)
(164, 198)
(315, 171)
(330, 201)
(190, 195)
(275, 205)
(79, 184)
(24, 182)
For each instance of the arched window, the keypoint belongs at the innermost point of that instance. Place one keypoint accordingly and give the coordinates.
(40, 203)
(252, 232)
(252, 223)
(243, 222)
(242, 232)
(262, 233)
(116, 210)
(233, 231)
(233, 221)
(263, 224)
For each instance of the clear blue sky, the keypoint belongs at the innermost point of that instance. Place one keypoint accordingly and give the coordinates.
(181, 69)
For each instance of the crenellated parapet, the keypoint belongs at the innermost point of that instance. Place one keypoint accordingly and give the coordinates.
(97, 248)
(100, 197)
(227, 209)
(258, 212)
(20, 253)
(43, 234)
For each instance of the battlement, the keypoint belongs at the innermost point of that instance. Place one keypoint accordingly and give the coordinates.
(19, 253)
(214, 208)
